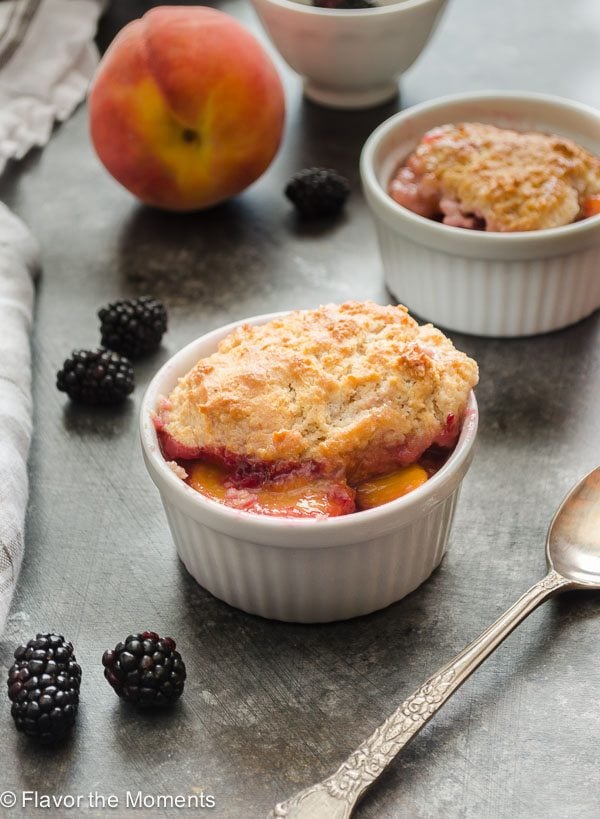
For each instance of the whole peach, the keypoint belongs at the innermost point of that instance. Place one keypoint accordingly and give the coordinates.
(186, 108)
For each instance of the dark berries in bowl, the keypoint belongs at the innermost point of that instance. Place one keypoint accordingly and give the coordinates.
(317, 192)
(43, 686)
(344, 4)
(96, 377)
(133, 327)
(145, 669)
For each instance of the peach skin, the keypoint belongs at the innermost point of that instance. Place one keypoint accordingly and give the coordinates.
(186, 108)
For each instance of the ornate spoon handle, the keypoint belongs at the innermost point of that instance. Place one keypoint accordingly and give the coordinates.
(336, 796)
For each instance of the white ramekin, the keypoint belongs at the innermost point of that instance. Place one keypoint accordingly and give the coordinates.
(488, 284)
(303, 570)
(349, 59)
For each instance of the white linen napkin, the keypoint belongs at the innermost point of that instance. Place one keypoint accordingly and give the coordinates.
(18, 265)
(47, 59)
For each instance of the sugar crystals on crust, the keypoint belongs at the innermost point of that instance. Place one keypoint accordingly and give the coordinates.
(357, 388)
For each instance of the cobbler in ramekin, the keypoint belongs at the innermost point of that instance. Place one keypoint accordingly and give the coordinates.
(477, 176)
(318, 413)
(521, 276)
(317, 568)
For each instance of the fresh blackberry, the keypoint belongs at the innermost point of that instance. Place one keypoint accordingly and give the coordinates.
(317, 192)
(345, 4)
(145, 669)
(133, 327)
(43, 685)
(96, 377)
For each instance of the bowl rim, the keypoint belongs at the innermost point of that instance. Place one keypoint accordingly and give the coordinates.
(473, 238)
(347, 14)
(354, 524)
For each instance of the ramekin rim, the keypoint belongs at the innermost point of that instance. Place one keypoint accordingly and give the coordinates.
(378, 11)
(472, 237)
(264, 523)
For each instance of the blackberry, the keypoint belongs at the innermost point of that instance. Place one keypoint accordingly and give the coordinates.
(133, 327)
(145, 669)
(317, 192)
(43, 685)
(96, 377)
(345, 4)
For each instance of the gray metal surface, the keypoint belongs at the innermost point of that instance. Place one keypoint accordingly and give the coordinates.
(573, 543)
(270, 708)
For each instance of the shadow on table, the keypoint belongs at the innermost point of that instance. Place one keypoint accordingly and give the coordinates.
(334, 138)
(303, 228)
(532, 386)
(105, 422)
(14, 171)
(44, 760)
(201, 256)
(542, 656)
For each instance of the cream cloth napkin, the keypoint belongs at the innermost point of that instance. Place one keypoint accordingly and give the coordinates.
(18, 265)
(47, 58)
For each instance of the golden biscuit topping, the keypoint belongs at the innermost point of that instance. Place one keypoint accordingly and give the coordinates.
(358, 387)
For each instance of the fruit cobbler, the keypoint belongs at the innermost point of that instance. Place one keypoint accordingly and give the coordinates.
(318, 413)
(481, 177)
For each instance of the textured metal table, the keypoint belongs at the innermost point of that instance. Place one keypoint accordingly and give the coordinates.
(271, 707)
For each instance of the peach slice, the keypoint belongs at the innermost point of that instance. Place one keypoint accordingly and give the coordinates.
(207, 478)
(386, 488)
(295, 496)
(591, 206)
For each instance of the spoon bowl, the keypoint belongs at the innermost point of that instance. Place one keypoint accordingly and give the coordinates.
(573, 544)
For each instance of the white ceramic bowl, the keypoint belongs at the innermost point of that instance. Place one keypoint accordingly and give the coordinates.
(349, 59)
(489, 284)
(303, 570)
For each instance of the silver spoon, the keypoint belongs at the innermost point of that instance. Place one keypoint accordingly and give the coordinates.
(573, 555)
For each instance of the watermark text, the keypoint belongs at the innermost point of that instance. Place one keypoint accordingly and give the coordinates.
(133, 800)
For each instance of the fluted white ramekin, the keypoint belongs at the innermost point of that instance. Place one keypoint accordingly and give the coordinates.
(489, 284)
(303, 570)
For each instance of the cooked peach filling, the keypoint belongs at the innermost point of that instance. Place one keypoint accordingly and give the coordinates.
(295, 495)
(591, 206)
(305, 492)
(386, 488)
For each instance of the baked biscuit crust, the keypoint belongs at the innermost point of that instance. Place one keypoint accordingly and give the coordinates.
(513, 180)
(356, 389)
